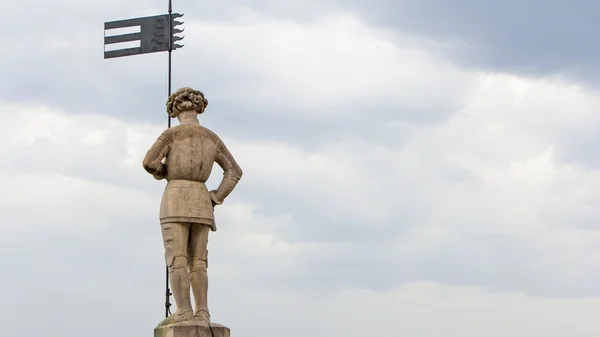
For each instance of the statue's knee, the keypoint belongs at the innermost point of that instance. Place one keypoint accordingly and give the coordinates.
(179, 262)
(197, 265)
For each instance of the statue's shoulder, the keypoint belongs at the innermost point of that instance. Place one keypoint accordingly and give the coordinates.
(211, 135)
(169, 131)
(182, 131)
(166, 134)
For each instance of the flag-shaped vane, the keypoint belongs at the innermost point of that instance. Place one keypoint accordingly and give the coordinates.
(154, 35)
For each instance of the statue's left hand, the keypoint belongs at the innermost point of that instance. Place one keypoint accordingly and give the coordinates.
(213, 198)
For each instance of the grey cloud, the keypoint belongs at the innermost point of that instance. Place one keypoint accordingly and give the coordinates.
(537, 38)
(534, 37)
(561, 215)
(369, 261)
(367, 257)
(579, 145)
(75, 78)
(495, 262)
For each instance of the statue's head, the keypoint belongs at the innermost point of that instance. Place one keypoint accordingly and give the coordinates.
(186, 99)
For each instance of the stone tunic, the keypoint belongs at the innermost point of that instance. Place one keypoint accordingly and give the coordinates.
(189, 152)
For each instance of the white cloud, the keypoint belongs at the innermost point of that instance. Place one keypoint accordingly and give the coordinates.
(335, 66)
(446, 176)
(423, 309)
(482, 199)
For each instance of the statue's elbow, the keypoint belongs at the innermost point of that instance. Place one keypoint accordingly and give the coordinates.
(239, 173)
(146, 164)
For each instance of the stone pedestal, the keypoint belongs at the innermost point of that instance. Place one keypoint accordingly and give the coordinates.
(191, 329)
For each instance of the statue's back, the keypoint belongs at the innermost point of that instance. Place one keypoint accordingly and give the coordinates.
(193, 151)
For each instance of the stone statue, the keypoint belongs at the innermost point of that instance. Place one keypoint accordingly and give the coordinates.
(184, 155)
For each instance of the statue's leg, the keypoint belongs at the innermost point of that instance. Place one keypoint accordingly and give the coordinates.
(175, 237)
(197, 265)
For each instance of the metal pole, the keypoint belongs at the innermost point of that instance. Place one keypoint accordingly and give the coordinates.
(168, 290)
(167, 295)
(170, 50)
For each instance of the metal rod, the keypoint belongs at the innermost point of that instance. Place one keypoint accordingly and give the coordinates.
(170, 50)
(167, 295)
(168, 290)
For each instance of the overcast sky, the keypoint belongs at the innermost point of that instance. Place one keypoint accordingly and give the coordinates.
(411, 168)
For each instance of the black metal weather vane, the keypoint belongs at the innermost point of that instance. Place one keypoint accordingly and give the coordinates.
(156, 34)
(153, 35)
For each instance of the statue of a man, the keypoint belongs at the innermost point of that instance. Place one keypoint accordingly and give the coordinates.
(184, 155)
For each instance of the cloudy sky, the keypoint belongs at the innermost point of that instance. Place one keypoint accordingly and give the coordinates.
(411, 168)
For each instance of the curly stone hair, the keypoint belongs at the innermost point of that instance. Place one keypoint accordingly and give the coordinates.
(186, 99)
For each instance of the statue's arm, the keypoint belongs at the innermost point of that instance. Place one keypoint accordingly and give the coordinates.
(232, 173)
(153, 161)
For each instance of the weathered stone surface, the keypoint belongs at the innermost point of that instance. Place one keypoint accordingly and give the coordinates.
(192, 329)
(184, 155)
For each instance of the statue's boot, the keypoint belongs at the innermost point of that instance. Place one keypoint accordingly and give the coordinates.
(180, 285)
(176, 318)
(199, 280)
